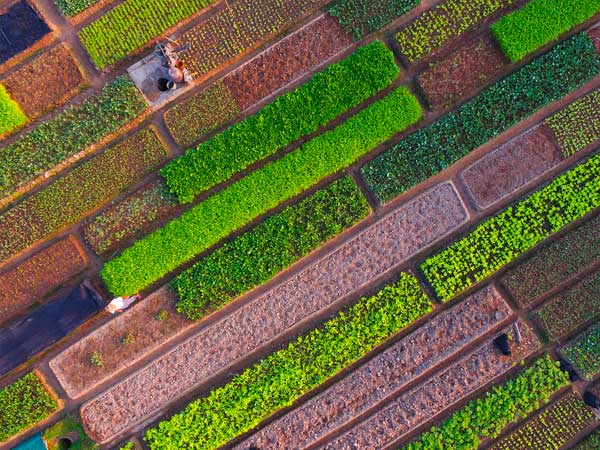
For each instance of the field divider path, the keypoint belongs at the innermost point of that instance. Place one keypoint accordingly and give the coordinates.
(359, 393)
(376, 251)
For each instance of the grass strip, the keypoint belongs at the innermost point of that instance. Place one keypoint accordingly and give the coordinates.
(486, 416)
(538, 23)
(282, 377)
(23, 404)
(507, 235)
(210, 221)
(584, 353)
(11, 116)
(68, 133)
(259, 254)
(430, 150)
(298, 113)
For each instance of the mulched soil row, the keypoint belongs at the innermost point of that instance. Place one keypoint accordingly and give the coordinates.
(45, 82)
(152, 322)
(38, 276)
(415, 407)
(553, 428)
(386, 374)
(380, 248)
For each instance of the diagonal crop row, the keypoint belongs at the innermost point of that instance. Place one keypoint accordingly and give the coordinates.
(584, 352)
(488, 415)
(281, 378)
(430, 150)
(447, 20)
(338, 88)
(592, 442)
(240, 203)
(68, 199)
(507, 235)
(257, 255)
(540, 22)
(68, 133)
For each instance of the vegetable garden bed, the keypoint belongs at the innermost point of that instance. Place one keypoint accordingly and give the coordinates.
(11, 115)
(592, 442)
(21, 27)
(583, 352)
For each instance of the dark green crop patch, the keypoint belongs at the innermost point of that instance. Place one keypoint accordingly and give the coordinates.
(430, 150)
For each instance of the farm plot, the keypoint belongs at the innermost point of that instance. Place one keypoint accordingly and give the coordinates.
(507, 235)
(74, 7)
(11, 115)
(73, 130)
(382, 247)
(459, 380)
(44, 272)
(569, 310)
(24, 403)
(386, 374)
(434, 148)
(584, 352)
(592, 442)
(298, 113)
(555, 263)
(86, 187)
(188, 235)
(551, 429)
(21, 27)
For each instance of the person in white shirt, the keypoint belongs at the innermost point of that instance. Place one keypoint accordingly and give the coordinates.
(119, 304)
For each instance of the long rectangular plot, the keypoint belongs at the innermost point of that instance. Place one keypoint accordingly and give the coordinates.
(375, 251)
(21, 27)
(386, 374)
(433, 396)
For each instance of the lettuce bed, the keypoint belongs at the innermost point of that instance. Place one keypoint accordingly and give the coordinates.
(11, 116)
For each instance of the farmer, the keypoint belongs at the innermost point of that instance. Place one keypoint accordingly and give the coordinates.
(119, 304)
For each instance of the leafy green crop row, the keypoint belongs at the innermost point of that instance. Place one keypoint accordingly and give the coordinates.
(67, 199)
(504, 237)
(22, 404)
(592, 442)
(259, 254)
(298, 113)
(73, 7)
(577, 125)
(539, 22)
(445, 21)
(11, 116)
(432, 149)
(361, 17)
(488, 415)
(68, 133)
(584, 352)
(278, 380)
(210, 221)
(131, 25)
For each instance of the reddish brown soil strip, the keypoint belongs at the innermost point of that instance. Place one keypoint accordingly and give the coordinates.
(553, 428)
(45, 82)
(386, 374)
(555, 263)
(128, 218)
(147, 325)
(383, 246)
(594, 33)
(287, 60)
(422, 403)
(507, 169)
(44, 272)
(451, 79)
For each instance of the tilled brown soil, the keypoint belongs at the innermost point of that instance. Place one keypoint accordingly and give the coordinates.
(595, 35)
(287, 60)
(510, 167)
(423, 402)
(44, 272)
(381, 247)
(142, 321)
(386, 374)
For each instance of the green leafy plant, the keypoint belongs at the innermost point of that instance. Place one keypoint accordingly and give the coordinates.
(432, 149)
(257, 255)
(538, 23)
(488, 415)
(361, 17)
(127, 339)
(584, 352)
(237, 205)
(23, 404)
(128, 446)
(162, 315)
(282, 377)
(504, 237)
(11, 116)
(68, 133)
(73, 7)
(298, 113)
(96, 359)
